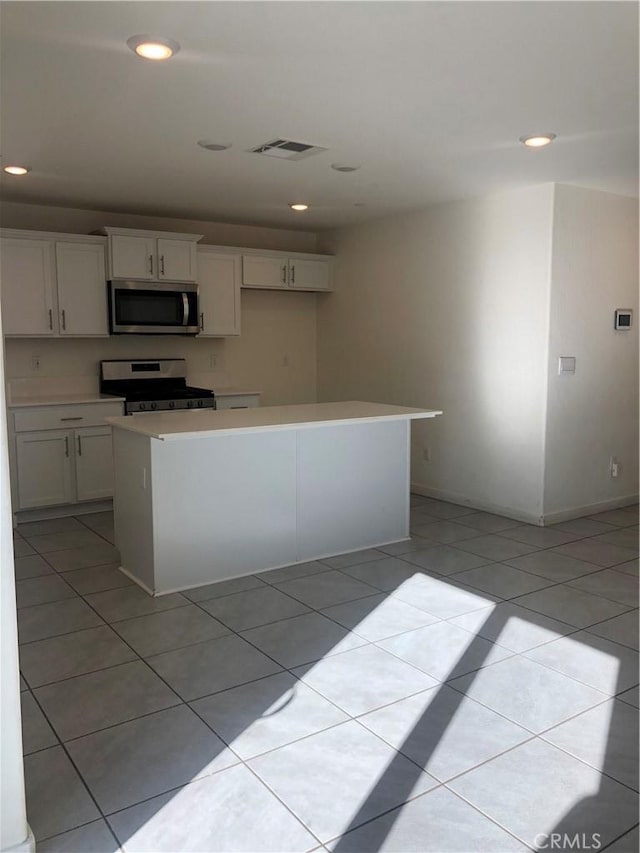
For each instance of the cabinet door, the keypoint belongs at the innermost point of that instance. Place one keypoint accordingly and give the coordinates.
(264, 271)
(132, 257)
(26, 273)
(82, 289)
(308, 275)
(176, 260)
(44, 471)
(94, 463)
(219, 293)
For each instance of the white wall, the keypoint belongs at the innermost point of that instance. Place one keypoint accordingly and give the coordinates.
(448, 309)
(277, 326)
(593, 414)
(13, 822)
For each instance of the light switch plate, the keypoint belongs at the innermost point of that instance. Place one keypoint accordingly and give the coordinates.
(566, 364)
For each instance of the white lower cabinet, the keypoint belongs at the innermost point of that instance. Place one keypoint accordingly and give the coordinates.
(44, 470)
(62, 467)
(94, 463)
(61, 455)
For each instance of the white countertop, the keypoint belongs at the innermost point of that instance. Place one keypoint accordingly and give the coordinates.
(62, 400)
(181, 425)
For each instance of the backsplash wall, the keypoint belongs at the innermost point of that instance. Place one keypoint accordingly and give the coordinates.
(275, 354)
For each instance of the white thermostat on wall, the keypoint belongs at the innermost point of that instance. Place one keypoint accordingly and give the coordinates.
(623, 318)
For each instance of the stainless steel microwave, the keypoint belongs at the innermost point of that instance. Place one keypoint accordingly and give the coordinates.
(153, 308)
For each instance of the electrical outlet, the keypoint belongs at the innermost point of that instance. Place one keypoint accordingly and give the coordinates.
(426, 454)
(36, 362)
(614, 466)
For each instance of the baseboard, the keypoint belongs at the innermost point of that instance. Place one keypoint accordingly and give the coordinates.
(48, 512)
(324, 556)
(528, 518)
(140, 583)
(26, 846)
(473, 503)
(589, 509)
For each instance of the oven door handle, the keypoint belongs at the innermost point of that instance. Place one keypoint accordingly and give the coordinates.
(185, 309)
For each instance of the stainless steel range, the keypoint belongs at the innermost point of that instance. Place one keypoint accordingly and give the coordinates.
(153, 385)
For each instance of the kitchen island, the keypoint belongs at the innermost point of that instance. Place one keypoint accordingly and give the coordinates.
(208, 496)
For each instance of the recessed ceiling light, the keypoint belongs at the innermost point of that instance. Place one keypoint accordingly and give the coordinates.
(538, 140)
(16, 170)
(213, 146)
(299, 206)
(339, 167)
(153, 47)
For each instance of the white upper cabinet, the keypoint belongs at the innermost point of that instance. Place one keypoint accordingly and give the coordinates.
(219, 293)
(82, 291)
(151, 255)
(53, 287)
(176, 260)
(132, 257)
(264, 271)
(27, 276)
(308, 275)
(286, 272)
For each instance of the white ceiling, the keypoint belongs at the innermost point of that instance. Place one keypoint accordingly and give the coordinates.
(429, 97)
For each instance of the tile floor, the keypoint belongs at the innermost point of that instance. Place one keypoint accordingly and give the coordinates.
(474, 688)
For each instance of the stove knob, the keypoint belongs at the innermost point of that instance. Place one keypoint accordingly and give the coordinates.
(154, 405)
(200, 403)
(143, 406)
(189, 404)
(172, 405)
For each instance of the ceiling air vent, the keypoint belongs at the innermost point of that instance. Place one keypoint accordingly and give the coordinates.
(286, 149)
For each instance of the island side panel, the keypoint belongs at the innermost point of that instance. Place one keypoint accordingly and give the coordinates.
(353, 487)
(224, 506)
(133, 511)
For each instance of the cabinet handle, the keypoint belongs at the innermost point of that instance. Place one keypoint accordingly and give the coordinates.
(284, 273)
(293, 273)
(202, 321)
(72, 419)
(79, 446)
(50, 318)
(64, 321)
(162, 264)
(150, 264)
(66, 445)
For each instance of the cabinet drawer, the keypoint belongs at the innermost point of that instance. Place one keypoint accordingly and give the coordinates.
(238, 401)
(64, 417)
